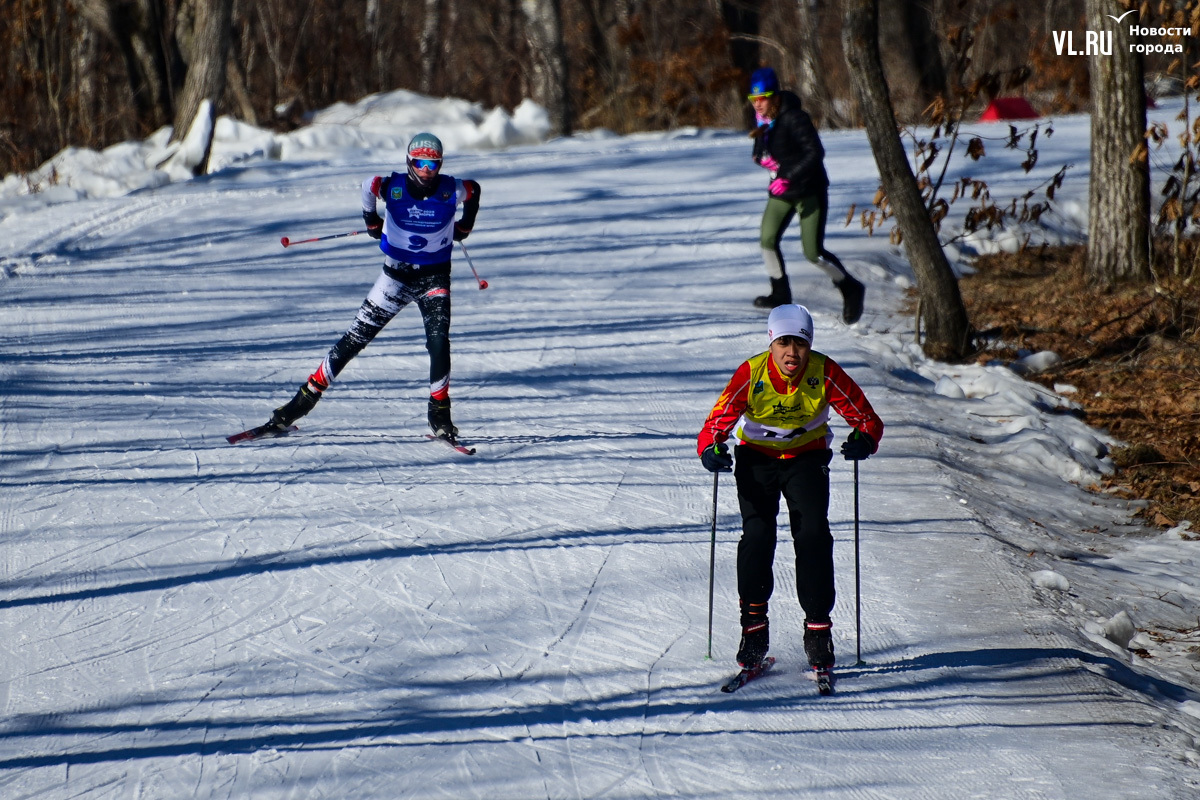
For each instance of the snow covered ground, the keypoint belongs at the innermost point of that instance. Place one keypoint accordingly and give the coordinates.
(357, 612)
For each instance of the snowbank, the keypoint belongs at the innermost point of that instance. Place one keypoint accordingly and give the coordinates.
(378, 122)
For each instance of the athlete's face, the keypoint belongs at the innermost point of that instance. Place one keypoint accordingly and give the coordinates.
(425, 169)
(765, 107)
(790, 354)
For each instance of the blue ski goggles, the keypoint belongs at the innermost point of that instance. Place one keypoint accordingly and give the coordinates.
(426, 163)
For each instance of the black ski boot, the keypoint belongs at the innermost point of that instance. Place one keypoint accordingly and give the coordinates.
(781, 294)
(295, 408)
(818, 644)
(756, 639)
(439, 419)
(852, 299)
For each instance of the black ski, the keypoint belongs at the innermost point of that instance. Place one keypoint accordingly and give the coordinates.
(267, 431)
(825, 680)
(748, 674)
(455, 443)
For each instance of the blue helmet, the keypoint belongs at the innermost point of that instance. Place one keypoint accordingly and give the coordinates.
(763, 83)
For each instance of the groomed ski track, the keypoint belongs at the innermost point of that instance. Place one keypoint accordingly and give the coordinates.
(352, 612)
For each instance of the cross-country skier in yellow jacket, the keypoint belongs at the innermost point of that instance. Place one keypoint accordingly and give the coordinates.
(777, 405)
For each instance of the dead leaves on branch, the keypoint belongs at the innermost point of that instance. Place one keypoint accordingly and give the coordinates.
(984, 213)
(931, 156)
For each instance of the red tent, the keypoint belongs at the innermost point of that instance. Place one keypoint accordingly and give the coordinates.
(1008, 108)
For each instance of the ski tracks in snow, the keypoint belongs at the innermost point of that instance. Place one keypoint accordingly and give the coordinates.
(354, 612)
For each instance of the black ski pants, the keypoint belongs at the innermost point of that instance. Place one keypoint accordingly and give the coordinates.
(804, 483)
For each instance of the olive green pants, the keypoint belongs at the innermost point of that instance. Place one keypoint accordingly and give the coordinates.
(812, 210)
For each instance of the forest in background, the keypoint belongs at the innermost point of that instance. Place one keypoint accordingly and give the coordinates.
(92, 73)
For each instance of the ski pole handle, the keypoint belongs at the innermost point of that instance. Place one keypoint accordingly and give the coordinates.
(286, 242)
(482, 283)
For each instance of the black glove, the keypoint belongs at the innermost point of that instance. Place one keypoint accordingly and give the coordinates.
(460, 232)
(717, 458)
(858, 446)
(374, 224)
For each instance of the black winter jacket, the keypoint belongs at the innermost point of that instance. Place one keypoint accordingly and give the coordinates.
(792, 141)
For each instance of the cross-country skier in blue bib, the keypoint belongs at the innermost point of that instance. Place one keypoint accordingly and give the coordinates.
(416, 234)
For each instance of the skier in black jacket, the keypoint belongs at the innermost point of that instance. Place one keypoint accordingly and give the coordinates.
(787, 144)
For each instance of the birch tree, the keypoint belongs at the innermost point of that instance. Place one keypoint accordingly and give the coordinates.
(430, 44)
(551, 76)
(813, 89)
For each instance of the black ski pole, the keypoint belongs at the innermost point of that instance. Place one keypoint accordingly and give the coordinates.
(857, 595)
(712, 561)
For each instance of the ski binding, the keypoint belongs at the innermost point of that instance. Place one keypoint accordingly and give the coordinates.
(748, 674)
(825, 680)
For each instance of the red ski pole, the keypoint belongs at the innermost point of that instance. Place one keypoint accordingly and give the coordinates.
(286, 242)
(482, 283)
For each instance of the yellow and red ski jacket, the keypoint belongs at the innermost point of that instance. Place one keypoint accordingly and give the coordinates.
(781, 418)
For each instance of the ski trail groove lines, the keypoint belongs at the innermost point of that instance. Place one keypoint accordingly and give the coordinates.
(438, 685)
(118, 214)
(568, 642)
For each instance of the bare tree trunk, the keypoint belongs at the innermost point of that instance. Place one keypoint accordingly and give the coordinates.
(623, 12)
(741, 18)
(926, 57)
(136, 27)
(942, 308)
(812, 80)
(235, 78)
(379, 59)
(1119, 192)
(84, 69)
(551, 77)
(430, 46)
(205, 47)
(607, 22)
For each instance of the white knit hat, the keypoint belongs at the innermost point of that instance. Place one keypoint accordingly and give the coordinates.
(790, 320)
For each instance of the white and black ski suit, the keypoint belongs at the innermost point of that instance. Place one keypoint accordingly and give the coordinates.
(418, 230)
